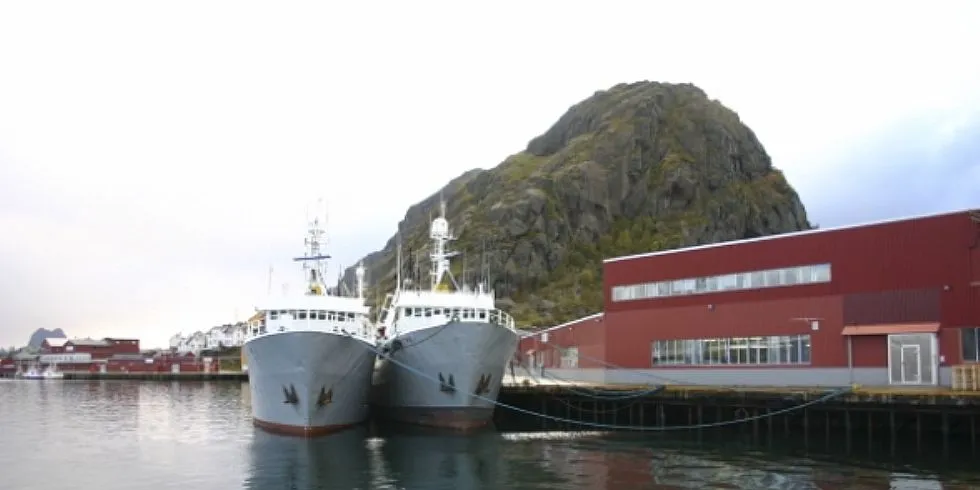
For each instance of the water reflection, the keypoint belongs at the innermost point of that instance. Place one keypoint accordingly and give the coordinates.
(597, 460)
(336, 461)
(418, 457)
(133, 436)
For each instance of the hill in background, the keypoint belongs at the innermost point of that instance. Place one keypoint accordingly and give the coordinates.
(37, 338)
(640, 167)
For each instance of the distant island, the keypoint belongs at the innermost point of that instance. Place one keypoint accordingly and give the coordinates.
(37, 338)
(34, 342)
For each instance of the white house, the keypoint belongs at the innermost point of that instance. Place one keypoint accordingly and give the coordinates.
(214, 338)
(176, 341)
(230, 335)
(193, 343)
(238, 333)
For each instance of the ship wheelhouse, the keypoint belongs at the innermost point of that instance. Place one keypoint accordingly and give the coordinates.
(444, 301)
(415, 310)
(316, 313)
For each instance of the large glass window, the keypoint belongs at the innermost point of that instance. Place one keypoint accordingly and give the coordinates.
(771, 278)
(784, 349)
(971, 344)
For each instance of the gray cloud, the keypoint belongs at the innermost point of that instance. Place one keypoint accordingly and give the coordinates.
(907, 170)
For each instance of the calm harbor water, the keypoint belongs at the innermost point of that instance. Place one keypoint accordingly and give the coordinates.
(131, 435)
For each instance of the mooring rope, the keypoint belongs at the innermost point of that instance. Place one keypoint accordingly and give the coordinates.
(598, 425)
(595, 409)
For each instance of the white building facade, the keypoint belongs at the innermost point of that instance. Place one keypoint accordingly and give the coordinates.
(219, 337)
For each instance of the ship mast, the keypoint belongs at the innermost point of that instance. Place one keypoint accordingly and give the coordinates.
(440, 235)
(359, 274)
(398, 264)
(314, 260)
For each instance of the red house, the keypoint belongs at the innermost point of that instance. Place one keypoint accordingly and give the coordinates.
(86, 354)
(893, 302)
(7, 366)
(585, 336)
(123, 346)
(53, 345)
(97, 348)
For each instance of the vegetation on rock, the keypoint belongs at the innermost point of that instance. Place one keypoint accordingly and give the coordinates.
(639, 167)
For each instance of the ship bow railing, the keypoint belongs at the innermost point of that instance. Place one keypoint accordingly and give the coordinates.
(500, 317)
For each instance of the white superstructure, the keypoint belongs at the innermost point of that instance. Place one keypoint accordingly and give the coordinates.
(408, 310)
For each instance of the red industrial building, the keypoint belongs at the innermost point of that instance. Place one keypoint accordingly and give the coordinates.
(888, 303)
(7, 367)
(111, 355)
(96, 348)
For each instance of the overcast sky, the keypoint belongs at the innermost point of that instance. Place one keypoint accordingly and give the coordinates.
(157, 157)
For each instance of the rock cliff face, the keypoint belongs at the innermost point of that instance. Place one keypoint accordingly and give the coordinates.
(639, 167)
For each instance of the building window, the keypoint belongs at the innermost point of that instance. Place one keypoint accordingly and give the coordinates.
(783, 349)
(971, 344)
(569, 358)
(771, 278)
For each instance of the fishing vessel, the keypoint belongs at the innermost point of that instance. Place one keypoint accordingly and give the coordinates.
(444, 332)
(311, 354)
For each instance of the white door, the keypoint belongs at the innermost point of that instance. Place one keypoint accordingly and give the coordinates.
(911, 360)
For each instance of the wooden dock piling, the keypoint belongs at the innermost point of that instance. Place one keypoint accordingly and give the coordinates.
(941, 416)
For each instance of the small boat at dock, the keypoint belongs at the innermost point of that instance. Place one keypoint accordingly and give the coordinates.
(34, 372)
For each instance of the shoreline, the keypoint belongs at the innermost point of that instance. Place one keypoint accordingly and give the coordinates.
(149, 376)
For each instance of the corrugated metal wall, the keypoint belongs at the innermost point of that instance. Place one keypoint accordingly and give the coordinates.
(629, 334)
(587, 335)
(901, 306)
(905, 271)
(917, 254)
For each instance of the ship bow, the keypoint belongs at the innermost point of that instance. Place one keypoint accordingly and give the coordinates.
(446, 376)
(308, 383)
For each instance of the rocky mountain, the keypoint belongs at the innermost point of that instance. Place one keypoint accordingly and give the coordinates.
(42, 333)
(638, 167)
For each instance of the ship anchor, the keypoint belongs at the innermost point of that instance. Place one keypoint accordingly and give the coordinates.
(290, 394)
(445, 387)
(325, 398)
(396, 345)
(483, 385)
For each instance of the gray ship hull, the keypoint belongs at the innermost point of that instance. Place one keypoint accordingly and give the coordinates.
(470, 356)
(308, 383)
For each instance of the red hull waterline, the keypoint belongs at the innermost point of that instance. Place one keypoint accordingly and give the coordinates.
(299, 430)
